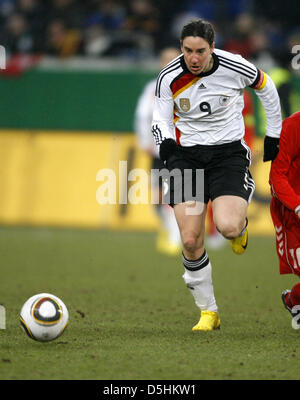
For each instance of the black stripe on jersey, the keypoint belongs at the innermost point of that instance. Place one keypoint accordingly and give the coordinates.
(237, 64)
(236, 70)
(164, 72)
(256, 80)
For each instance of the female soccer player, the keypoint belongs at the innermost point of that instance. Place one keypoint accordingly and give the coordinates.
(198, 124)
(285, 206)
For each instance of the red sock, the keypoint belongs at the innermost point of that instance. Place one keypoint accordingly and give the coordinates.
(295, 295)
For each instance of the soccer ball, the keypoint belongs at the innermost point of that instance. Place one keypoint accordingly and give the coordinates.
(44, 317)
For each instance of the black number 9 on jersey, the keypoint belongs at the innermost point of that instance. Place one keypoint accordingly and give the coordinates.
(205, 107)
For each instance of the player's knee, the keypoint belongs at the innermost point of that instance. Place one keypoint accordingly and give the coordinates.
(229, 229)
(191, 242)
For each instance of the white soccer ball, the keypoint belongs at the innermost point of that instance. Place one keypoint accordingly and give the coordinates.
(44, 317)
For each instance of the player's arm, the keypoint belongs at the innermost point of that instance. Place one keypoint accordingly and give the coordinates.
(266, 91)
(280, 185)
(163, 128)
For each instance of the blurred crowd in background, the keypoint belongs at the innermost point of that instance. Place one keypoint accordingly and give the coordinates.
(136, 29)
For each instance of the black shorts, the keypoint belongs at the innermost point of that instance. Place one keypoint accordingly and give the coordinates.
(225, 172)
(157, 163)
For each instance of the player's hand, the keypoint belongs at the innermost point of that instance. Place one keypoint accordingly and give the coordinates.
(298, 213)
(170, 153)
(271, 148)
(167, 149)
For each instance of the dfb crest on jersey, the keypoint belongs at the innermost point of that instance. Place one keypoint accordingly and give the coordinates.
(184, 104)
(224, 100)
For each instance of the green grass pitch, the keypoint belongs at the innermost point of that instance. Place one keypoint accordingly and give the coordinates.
(131, 314)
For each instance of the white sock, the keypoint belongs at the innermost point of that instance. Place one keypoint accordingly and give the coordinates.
(198, 278)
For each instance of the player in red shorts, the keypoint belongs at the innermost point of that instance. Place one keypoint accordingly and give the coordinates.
(285, 208)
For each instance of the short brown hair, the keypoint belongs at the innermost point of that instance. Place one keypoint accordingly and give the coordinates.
(201, 28)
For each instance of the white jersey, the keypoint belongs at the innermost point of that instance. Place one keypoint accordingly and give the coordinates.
(207, 109)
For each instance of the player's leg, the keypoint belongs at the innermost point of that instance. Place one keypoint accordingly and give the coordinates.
(231, 189)
(291, 301)
(291, 298)
(214, 239)
(287, 233)
(198, 271)
(190, 217)
(288, 251)
(230, 216)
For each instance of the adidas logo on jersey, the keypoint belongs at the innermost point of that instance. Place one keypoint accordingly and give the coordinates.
(202, 86)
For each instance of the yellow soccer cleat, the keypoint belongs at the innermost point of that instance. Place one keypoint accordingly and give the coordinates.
(209, 321)
(240, 243)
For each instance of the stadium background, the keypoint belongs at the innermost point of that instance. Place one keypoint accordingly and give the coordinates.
(74, 71)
